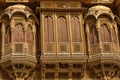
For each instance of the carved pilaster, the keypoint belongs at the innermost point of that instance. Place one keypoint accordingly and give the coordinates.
(42, 33)
(98, 25)
(3, 35)
(34, 46)
(12, 35)
(88, 37)
(112, 40)
(116, 32)
(25, 44)
(70, 32)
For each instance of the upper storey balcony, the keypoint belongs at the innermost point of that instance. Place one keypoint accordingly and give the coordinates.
(18, 41)
(102, 39)
(102, 31)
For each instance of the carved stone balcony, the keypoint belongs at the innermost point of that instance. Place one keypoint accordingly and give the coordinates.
(18, 66)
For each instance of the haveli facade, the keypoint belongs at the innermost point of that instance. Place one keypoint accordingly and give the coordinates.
(59, 40)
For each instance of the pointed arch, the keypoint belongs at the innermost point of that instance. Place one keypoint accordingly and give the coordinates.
(6, 16)
(30, 35)
(32, 16)
(93, 35)
(18, 33)
(48, 29)
(7, 35)
(62, 29)
(75, 27)
(105, 33)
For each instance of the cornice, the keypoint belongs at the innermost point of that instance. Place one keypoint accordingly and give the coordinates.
(62, 9)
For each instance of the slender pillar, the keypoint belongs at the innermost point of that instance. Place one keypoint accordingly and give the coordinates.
(12, 36)
(70, 71)
(3, 35)
(99, 36)
(56, 72)
(88, 37)
(112, 40)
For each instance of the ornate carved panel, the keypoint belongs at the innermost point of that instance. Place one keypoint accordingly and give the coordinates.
(62, 29)
(30, 49)
(93, 35)
(7, 35)
(105, 33)
(75, 27)
(30, 36)
(106, 47)
(49, 75)
(63, 48)
(63, 75)
(77, 47)
(48, 29)
(95, 48)
(74, 3)
(7, 49)
(19, 48)
(61, 4)
(18, 33)
(48, 4)
(49, 47)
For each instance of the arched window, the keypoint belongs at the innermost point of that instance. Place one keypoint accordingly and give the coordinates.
(30, 37)
(62, 29)
(93, 35)
(48, 29)
(105, 33)
(7, 35)
(75, 27)
(18, 33)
